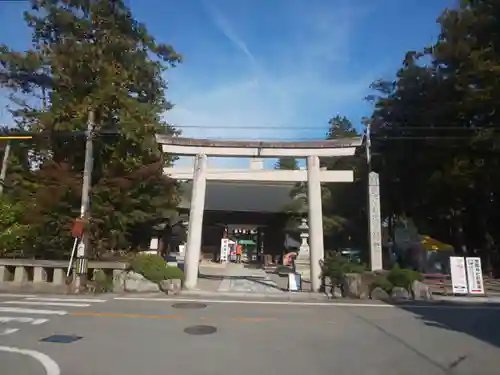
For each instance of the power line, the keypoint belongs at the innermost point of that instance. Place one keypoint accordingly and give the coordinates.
(328, 127)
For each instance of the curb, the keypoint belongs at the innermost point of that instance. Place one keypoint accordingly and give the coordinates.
(290, 296)
(478, 299)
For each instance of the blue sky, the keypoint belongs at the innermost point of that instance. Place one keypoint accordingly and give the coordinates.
(271, 63)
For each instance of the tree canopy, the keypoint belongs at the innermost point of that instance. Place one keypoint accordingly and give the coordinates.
(435, 132)
(89, 56)
(287, 163)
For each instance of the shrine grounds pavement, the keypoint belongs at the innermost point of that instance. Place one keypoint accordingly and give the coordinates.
(130, 335)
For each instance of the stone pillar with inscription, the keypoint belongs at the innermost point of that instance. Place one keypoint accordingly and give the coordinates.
(375, 222)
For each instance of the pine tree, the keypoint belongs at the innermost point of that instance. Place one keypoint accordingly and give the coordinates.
(93, 56)
(287, 163)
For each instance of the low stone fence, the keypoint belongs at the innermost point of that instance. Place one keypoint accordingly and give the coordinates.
(50, 276)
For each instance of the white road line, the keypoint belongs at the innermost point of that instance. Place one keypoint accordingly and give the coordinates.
(46, 303)
(22, 319)
(50, 366)
(325, 304)
(20, 310)
(7, 295)
(37, 322)
(8, 331)
(65, 299)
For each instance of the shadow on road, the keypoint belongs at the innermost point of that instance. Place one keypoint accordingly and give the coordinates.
(479, 320)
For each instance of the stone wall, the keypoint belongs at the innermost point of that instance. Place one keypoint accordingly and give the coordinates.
(50, 276)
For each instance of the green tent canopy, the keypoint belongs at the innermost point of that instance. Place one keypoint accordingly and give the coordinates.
(247, 242)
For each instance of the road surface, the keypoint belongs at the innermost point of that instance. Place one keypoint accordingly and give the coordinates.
(135, 336)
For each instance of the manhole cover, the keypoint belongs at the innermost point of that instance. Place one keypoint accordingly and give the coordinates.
(61, 339)
(200, 330)
(188, 305)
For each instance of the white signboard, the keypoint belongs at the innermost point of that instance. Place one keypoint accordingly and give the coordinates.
(80, 250)
(224, 250)
(294, 282)
(458, 275)
(474, 275)
(154, 243)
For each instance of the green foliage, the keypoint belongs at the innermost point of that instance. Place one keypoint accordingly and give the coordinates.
(435, 140)
(154, 268)
(174, 273)
(90, 56)
(102, 282)
(336, 267)
(340, 127)
(435, 132)
(383, 283)
(287, 163)
(12, 232)
(403, 278)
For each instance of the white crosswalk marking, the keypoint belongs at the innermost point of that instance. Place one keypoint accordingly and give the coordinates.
(20, 310)
(22, 319)
(32, 302)
(65, 299)
(71, 304)
(8, 331)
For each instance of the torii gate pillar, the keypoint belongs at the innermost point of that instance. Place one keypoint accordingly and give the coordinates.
(195, 224)
(315, 216)
(201, 148)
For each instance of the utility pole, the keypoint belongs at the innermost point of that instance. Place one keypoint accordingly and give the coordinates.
(5, 163)
(374, 219)
(83, 249)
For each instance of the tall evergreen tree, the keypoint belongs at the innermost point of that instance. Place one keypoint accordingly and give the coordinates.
(287, 163)
(92, 56)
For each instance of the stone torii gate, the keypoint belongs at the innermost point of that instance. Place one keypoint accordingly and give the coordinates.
(201, 149)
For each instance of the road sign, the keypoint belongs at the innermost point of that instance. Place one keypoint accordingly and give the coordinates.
(77, 228)
(475, 275)
(80, 250)
(458, 275)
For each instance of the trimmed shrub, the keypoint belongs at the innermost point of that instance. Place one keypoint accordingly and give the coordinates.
(403, 277)
(154, 268)
(336, 267)
(102, 282)
(383, 283)
(174, 273)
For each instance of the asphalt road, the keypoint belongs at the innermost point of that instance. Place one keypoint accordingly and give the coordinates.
(141, 336)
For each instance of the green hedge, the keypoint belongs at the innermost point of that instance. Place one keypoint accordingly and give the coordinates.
(336, 267)
(154, 268)
(397, 277)
(383, 283)
(403, 277)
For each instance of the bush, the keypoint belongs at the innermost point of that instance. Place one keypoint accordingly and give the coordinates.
(336, 267)
(383, 283)
(174, 272)
(403, 277)
(154, 268)
(102, 282)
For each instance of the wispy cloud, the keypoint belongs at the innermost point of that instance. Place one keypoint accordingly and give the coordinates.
(223, 25)
(299, 77)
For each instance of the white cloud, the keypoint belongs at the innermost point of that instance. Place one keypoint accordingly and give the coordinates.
(302, 84)
(224, 26)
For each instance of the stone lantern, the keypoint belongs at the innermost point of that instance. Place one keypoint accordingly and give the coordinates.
(304, 255)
